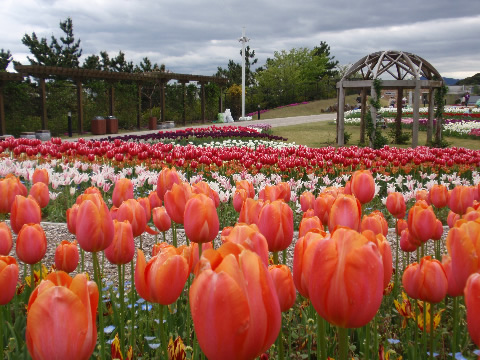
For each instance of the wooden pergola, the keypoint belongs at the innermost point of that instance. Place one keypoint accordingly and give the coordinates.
(401, 66)
(4, 78)
(79, 76)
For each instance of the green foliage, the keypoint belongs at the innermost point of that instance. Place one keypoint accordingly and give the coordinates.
(331, 65)
(401, 138)
(5, 59)
(373, 132)
(346, 137)
(472, 80)
(233, 72)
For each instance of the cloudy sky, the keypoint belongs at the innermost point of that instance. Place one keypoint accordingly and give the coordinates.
(197, 36)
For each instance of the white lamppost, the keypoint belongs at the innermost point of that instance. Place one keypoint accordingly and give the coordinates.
(243, 40)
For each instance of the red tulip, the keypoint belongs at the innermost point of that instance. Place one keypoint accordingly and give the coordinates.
(161, 219)
(307, 201)
(24, 211)
(39, 192)
(401, 225)
(234, 286)
(276, 224)
(250, 211)
(31, 244)
(66, 256)
(322, 206)
(72, 218)
(407, 243)
(175, 201)
(122, 248)
(155, 201)
(166, 179)
(40, 175)
(10, 187)
(396, 205)
(134, 213)
(250, 237)
(145, 203)
(6, 242)
(239, 198)
(346, 288)
(162, 280)
(460, 198)
(454, 288)
(94, 225)
(422, 222)
(201, 219)
(363, 186)
(283, 282)
(346, 211)
(438, 196)
(8, 279)
(472, 296)
(384, 248)
(426, 281)
(122, 191)
(61, 318)
(452, 218)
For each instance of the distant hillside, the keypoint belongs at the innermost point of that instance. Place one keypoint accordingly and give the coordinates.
(472, 80)
(448, 81)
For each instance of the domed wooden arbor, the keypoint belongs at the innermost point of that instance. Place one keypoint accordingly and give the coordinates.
(400, 65)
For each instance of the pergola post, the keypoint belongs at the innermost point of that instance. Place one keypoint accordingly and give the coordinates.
(398, 119)
(430, 116)
(162, 100)
(373, 112)
(139, 104)
(2, 111)
(416, 113)
(202, 90)
(363, 111)
(79, 106)
(340, 116)
(43, 96)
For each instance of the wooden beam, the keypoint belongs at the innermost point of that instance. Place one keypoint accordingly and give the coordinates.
(431, 113)
(373, 112)
(43, 96)
(392, 84)
(363, 112)
(416, 115)
(398, 119)
(341, 117)
(80, 106)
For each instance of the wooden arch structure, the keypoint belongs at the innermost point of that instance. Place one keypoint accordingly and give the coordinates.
(401, 66)
(79, 75)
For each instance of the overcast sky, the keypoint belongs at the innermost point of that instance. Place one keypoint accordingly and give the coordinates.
(197, 36)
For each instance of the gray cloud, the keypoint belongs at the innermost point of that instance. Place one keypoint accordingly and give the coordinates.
(198, 36)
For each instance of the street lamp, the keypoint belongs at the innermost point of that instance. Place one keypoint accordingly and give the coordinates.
(243, 40)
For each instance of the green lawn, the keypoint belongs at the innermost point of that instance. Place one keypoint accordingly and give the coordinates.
(324, 133)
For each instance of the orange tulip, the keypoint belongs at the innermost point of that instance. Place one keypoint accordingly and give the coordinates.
(463, 246)
(122, 248)
(66, 256)
(234, 286)
(283, 282)
(472, 294)
(247, 186)
(363, 186)
(422, 222)
(250, 237)
(40, 175)
(162, 280)
(308, 224)
(422, 195)
(10, 187)
(396, 205)
(201, 219)
(375, 222)
(202, 187)
(250, 211)
(300, 274)
(452, 218)
(61, 318)
(192, 254)
(426, 281)
(134, 213)
(438, 196)
(401, 225)
(94, 225)
(24, 211)
(166, 179)
(270, 193)
(407, 243)
(6, 242)
(276, 224)
(471, 214)
(39, 191)
(285, 192)
(322, 206)
(155, 201)
(239, 198)
(176, 199)
(460, 198)
(8, 279)
(91, 193)
(72, 218)
(346, 211)
(161, 219)
(145, 203)
(31, 244)
(346, 288)
(307, 201)
(385, 250)
(454, 288)
(122, 191)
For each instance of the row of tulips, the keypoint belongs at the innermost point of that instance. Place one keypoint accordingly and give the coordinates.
(235, 300)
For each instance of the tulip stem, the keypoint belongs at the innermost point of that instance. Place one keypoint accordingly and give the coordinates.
(366, 356)
(164, 236)
(121, 285)
(343, 343)
(431, 331)
(132, 301)
(395, 285)
(162, 337)
(32, 277)
(199, 251)
(375, 338)
(82, 254)
(275, 257)
(174, 234)
(98, 280)
(141, 242)
(455, 326)
(321, 343)
(424, 327)
(281, 350)
(284, 258)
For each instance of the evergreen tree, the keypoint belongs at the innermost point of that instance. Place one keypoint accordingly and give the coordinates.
(330, 67)
(5, 59)
(233, 72)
